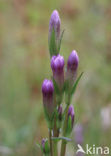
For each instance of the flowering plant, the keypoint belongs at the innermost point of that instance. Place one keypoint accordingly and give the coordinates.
(62, 84)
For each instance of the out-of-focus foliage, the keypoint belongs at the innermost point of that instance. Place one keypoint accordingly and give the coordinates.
(25, 62)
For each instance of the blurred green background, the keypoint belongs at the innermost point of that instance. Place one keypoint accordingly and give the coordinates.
(25, 62)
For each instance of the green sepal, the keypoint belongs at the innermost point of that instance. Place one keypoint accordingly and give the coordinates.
(52, 44)
(70, 90)
(67, 92)
(47, 148)
(65, 111)
(58, 120)
(69, 126)
(49, 118)
(75, 84)
(56, 87)
(58, 92)
(59, 124)
(60, 41)
(66, 86)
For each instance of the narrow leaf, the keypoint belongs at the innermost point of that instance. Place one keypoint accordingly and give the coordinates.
(66, 86)
(59, 44)
(57, 91)
(69, 126)
(52, 44)
(75, 84)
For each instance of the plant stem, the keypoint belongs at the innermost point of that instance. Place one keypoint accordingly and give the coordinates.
(55, 130)
(55, 148)
(46, 155)
(50, 135)
(63, 146)
(56, 134)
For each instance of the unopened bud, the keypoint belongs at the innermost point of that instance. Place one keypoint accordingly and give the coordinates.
(71, 114)
(72, 66)
(54, 33)
(57, 65)
(54, 24)
(70, 120)
(48, 93)
(45, 146)
(60, 112)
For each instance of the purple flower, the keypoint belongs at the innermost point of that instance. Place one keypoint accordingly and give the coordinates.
(47, 92)
(71, 114)
(72, 66)
(57, 65)
(78, 133)
(54, 23)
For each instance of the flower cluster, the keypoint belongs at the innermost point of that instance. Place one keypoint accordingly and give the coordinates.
(62, 84)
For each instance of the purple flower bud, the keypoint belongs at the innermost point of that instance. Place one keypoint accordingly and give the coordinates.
(43, 143)
(78, 133)
(47, 88)
(57, 65)
(73, 61)
(45, 146)
(60, 109)
(48, 91)
(72, 66)
(71, 113)
(55, 23)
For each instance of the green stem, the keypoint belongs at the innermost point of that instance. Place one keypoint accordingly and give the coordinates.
(46, 155)
(55, 149)
(56, 134)
(63, 146)
(50, 136)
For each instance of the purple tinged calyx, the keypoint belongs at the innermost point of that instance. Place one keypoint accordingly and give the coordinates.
(48, 97)
(55, 23)
(71, 113)
(73, 61)
(60, 109)
(43, 143)
(57, 63)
